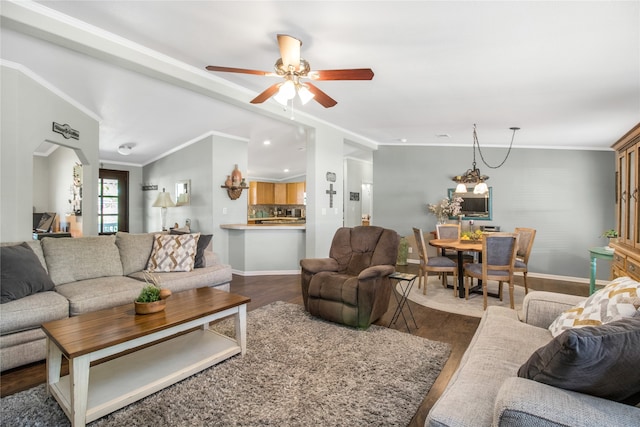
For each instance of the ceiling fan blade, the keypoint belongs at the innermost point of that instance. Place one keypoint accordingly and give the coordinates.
(348, 74)
(240, 70)
(325, 100)
(289, 50)
(268, 93)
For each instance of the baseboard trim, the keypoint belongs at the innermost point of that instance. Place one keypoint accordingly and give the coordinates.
(266, 272)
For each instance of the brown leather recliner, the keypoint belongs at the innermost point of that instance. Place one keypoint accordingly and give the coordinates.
(352, 286)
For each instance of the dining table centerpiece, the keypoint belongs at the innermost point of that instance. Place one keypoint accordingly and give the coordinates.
(446, 208)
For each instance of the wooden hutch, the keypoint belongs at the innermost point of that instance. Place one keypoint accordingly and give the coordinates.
(626, 259)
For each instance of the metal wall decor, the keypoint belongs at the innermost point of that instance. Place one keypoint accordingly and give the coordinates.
(65, 130)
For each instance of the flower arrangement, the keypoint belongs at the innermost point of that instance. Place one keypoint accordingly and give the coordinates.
(446, 208)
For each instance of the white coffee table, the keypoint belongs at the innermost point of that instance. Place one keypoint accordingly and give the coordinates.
(168, 356)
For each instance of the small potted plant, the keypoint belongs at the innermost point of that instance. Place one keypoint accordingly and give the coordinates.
(610, 234)
(152, 298)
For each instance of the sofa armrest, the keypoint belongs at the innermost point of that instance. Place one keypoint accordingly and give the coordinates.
(316, 265)
(211, 258)
(376, 271)
(522, 402)
(541, 308)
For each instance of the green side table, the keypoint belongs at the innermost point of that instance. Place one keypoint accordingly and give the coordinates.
(595, 253)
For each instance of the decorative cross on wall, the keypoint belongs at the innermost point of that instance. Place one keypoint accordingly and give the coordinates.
(330, 192)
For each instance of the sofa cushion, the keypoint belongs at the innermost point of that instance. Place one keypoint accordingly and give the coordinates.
(96, 294)
(21, 273)
(180, 281)
(501, 344)
(601, 360)
(611, 303)
(134, 251)
(173, 252)
(73, 259)
(32, 311)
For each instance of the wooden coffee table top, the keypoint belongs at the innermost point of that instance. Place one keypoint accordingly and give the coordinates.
(89, 332)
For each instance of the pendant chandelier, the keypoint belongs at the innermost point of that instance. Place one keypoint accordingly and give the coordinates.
(473, 176)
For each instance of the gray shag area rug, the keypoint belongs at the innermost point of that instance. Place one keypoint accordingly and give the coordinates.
(298, 371)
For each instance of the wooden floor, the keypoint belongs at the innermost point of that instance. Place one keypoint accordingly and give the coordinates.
(435, 325)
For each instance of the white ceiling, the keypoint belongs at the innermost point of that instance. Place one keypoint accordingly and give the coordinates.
(566, 72)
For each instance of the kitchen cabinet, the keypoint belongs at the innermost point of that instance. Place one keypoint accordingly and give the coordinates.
(280, 194)
(269, 193)
(627, 246)
(295, 193)
(261, 193)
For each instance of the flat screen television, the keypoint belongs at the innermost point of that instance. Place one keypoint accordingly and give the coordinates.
(475, 206)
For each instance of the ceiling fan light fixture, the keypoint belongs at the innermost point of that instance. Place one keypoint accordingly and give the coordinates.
(305, 94)
(287, 90)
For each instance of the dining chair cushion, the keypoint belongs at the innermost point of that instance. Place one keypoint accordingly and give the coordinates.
(476, 269)
(520, 264)
(497, 252)
(440, 261)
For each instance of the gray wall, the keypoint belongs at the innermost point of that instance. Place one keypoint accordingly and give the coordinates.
(206, 163)
(28, 109)
(567, 196)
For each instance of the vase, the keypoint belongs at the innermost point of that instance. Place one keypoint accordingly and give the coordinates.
(236, 176)
(442, 219)
(228, 182)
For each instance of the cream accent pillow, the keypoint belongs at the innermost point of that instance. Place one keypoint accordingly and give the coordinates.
(613, 302)
(173, 252)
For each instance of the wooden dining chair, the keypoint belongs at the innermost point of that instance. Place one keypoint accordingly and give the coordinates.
(437, 264)
(498, 260)
(448, 231)
(525, 243)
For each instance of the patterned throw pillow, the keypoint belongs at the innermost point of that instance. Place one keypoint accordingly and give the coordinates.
(173, 252)
(613, 302)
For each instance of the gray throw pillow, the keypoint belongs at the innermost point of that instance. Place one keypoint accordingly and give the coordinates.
(599, 360)
(21, 273)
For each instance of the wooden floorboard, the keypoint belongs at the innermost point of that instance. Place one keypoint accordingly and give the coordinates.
(453, 329)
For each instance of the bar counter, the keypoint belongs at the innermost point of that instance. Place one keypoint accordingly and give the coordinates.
(256, 249)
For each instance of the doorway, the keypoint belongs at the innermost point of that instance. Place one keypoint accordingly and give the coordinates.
(113, 201)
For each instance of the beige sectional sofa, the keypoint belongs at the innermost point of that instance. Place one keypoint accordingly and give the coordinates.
(89, 274)
(487, 391)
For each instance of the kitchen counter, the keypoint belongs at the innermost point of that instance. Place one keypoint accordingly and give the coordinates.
(256, 249)
(270, 226)
(276, 220)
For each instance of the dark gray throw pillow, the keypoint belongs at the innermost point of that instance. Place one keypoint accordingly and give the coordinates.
(21, 273)
(203, 242)
(600, 360)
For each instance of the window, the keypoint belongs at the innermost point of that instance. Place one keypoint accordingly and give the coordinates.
(113, 201)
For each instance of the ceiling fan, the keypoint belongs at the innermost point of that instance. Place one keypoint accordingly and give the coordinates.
(293, 69)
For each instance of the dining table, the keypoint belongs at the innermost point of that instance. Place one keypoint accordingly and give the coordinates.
(460, 246)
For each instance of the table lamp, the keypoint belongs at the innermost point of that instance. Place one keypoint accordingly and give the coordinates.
(163, 202)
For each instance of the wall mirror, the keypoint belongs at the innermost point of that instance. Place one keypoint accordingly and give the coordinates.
(475, 206)
(183, 192)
